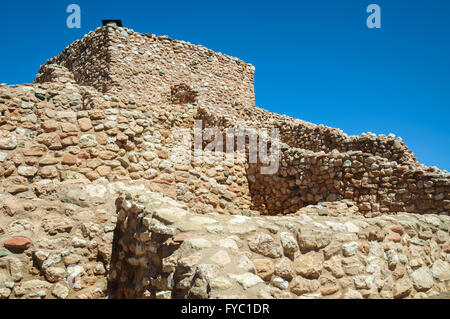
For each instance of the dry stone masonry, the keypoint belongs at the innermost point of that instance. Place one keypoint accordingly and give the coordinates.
(166, 252)
(94, 202)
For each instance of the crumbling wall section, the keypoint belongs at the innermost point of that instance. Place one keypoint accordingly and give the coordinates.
(321, 138)
(377, 185)
(166, 253)
(87, 59)
(121, 240)
(148, 69)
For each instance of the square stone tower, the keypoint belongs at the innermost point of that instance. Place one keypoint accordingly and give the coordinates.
(157, 70)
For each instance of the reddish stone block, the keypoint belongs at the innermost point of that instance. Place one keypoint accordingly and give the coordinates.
(22, 243)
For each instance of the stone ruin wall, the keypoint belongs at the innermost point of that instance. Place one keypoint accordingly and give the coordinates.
(305, 177)
(57, 240)
(62, 132)
(87, 59)
(321, 138)
(76, 239)
(76, 143)
(147, 69)
(134, 59)
(317, 138)
(377, 185)
(170, 253)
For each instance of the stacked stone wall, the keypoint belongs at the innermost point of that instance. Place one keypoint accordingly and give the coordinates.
(121, 240)
(87, 59)
(170, 253)
(375, 183)
(64, 132)
(148, 69)
(56, 241)
(300, 134)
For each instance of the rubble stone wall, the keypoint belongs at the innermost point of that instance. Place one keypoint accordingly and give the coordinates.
(376, 183)
(154, 85)
(149, 69)
(326, 139)
(166, 252)
(64, 132)
(378, 186)
(56, 241)
(121, 240)
(301, 134)
(87, 59)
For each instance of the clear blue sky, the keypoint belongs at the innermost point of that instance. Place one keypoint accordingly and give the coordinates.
(315, 60)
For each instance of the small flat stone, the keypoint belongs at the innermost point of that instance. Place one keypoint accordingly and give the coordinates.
(3, 157)
(27, 171)
(313, 238)
(198, 243)
(35, 150)
(22, 243)
(170, 215)
(27, 105)
(422, 279)
(85, 124)
(265, 245)
(221, 258)
(220, 283)
(397, 229)
(351, 228)
(264, 268)
(8, 141)
(309, 265)
(40, 96)
(247, 280)
(60, 291)
(441, 270)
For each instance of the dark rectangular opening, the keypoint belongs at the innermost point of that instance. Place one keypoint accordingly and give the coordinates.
(114, 22)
